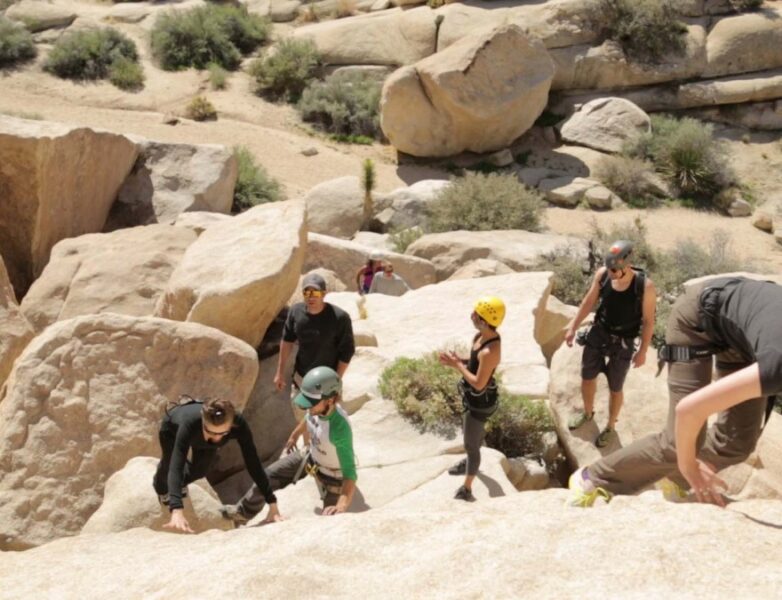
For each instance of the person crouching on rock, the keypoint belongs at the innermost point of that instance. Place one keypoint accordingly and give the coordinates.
(478, 388)
(330, 458)
(202, 428)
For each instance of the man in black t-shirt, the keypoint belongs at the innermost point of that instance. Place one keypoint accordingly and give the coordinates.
(323, 332)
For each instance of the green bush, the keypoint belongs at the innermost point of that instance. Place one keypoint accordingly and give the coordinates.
(217, 34)
(425, 392)
(571, 274)
(647, 30)
(346, 103)
(253, 184)
(629, 178)
(91, 54)
(200, 109)
(402, 238)
(484, 202)
(285, 72)
(687, 154)
(16, 43)
(126, 74)
(217, 77)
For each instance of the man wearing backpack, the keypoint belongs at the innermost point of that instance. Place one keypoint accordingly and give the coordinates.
(626, 303)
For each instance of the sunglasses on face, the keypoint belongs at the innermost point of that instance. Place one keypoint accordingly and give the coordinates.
(616, 270)
(309, 293)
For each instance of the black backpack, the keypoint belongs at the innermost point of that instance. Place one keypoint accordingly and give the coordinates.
(639, 284)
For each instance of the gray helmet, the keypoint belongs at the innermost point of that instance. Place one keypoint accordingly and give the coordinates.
(318, 383)
(616, 257)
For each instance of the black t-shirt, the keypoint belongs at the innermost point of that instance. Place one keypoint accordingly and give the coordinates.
(749, 319)
(618, 311)
(185, 424)
(324, 339)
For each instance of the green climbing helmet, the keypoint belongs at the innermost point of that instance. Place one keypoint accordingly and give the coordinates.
(616, 257)
(318, 384)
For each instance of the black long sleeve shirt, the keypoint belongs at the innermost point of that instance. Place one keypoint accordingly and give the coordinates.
(186, 424)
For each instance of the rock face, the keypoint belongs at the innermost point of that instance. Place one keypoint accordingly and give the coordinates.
(345, 258)
(436, 317)
(550, 325)
(169, 179)
(335, 207)
(745, 43)
(606, 124)
(430, 544)
(88, 394)
(481, 267)
(407, 207)
(240, 273)
(56, 181)
(644, 411)
(15, 331)
(127, 503)
(519, 250)
(479, 94)
(39, 16)
(121, 272)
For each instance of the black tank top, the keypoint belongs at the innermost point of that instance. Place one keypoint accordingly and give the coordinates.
(618, 310)
(472, 364)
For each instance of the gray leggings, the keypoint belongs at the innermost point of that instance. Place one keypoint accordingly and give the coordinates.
(474, 433)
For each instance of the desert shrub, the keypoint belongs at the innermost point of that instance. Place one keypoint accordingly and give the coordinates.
(647, 30)
(571, 274)
(745, 5)
(285, 72)
(218, 34)
(686, 153)
(217, 76)
(253, 184)
(346, 103)
(425, 392)
(345, 8)
(200, 109)
(402, 238)
(5, 4)
(629, 178)
(16, 43)
(91, 54)
(126, 74)
(484, 202)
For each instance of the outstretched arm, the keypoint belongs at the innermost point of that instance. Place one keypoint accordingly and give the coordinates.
(647, 323)
(586, 307)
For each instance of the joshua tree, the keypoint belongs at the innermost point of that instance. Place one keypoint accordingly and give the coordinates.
(368, 183)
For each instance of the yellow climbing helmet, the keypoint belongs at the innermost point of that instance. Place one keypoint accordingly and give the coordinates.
(491, 309)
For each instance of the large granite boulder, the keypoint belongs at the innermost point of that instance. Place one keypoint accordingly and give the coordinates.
(56, 181)
(335, 207)
(479, 94)
(120, 272)
(169, 179)
(644, 412)
(345, 258)
(519, 250)
(15, 330)
(745, 43)
(606, 124)
(390, 37)
(406, 207)
(87, 395)
(39, 16)
(240, 272)
(413, 549)
(550, 325)
(128, 503)
(438, 316)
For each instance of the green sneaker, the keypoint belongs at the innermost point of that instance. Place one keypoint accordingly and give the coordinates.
(579, 419)
(583, 492)
(606, 437)
(672, 491)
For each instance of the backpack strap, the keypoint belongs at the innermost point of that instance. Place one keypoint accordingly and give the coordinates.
(640, 287)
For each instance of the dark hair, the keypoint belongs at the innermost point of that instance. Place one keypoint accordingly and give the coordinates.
(217, 411)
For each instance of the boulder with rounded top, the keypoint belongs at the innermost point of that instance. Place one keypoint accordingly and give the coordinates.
(745, 43)
(335, 207)
(606, 124)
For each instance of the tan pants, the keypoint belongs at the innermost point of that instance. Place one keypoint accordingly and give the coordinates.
(730, 440)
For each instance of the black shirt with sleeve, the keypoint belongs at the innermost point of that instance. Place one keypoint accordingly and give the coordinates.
(324, 339)
(749, 319)
(185, 424)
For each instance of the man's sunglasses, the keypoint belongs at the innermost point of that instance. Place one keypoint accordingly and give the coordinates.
(313, 293)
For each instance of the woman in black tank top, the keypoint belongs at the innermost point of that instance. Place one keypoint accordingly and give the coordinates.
(478, 388)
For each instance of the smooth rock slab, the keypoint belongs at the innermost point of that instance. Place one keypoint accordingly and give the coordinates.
(15, 330)
(606, 124)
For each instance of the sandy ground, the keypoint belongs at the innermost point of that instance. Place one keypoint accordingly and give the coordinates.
(276, 137)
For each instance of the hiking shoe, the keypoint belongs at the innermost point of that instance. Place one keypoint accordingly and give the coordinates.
(459, 468)
(579, 419)
(672, 491)
(606, 437)
(583, 492)
(233, 512)
(464, 494)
